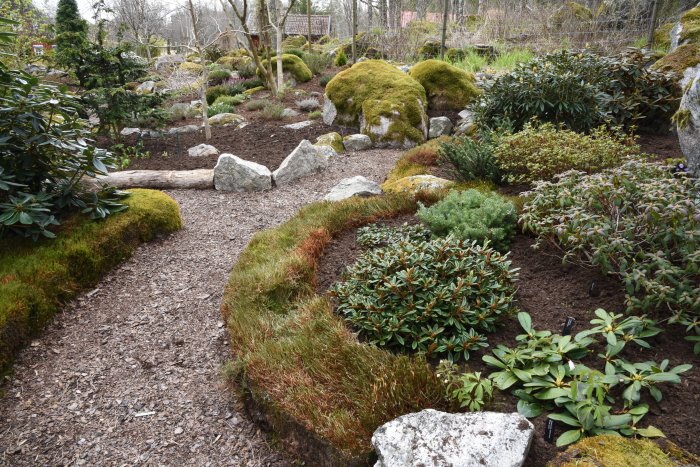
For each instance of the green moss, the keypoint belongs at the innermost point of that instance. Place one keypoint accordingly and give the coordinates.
(682, 118)
(447, 87)
(293, 65)
(37, 278)
(334, 140)
(610, 450)
(676, 62)
(294, 42)
(380, 92)
(255, 90)
(662, 36)
(571, 11)
(690, 33)
(189, 67)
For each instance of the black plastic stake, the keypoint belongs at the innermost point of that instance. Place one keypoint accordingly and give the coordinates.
(568, 326)
(549, 431)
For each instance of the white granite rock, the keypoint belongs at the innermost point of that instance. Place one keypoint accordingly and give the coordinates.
(232, 173)
(299, 125)
(304, 160)
(225, 119)
(147, 87)
(437, 439)
(357, 142)
(689, 125)
(354, 186)
(130, 131)
(202, 150)
(439, 126)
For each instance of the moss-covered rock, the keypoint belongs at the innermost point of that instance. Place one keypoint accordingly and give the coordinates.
(690, 27)
(383, 102)
(38, 278)
(571, 12)
(447, 87)
(662, 36)
(418, 183)
(610, 450)
(681, 62)
(255, 90)
(294, 42)
(224, 119)
(429, 49)
(333, 140)
(293, 65)
(189, 67)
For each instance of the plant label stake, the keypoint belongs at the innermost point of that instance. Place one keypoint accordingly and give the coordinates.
(549, 431)
(568, 326)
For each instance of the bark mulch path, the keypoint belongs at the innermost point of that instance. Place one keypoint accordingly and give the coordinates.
(130, 373)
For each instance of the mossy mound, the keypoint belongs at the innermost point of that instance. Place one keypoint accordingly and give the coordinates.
(429, 49)
(293, 65)
(662, 36)
(610, 450)
(418, 183)
(571, 12)
(385, 103)
(36, 279)
(189, 67)
(294, 42)
(447, 87)
(690, 22)
(679, 60)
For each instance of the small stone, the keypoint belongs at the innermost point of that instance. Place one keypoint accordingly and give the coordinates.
(226, 119)
(333, 140)
(179, 430)
(354, 186)
(289, 113)
(299, 125)
(184, 129)
(202, 150)
(357, 142)
(130, 131)
(439, 126)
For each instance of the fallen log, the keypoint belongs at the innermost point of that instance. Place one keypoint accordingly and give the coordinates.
(160, 179)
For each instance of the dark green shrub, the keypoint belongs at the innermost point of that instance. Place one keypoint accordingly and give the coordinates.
(272, 111)
(341, 59)
(218, 76)
(378, 235)
(638, 221)
(539, 153)
(223, 90)
(252, 83)
(117, 107)
(296, 52)
(473, 159)
(472, 215)
(436, 297)
(323, 80)
(44, 154)
(580, 90)
(230, 100)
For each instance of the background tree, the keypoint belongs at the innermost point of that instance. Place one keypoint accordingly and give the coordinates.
(142, 20)
(277, 22)
(33, 27)
(71, 39)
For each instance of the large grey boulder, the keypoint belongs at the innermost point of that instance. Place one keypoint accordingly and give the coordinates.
(202, 150)
(353, 186)
(165, 61)
(304, 160)
(232, 173)
(184, 129)
(226, 119)
(147, 87)
(431, 439)
(439, 126)
(688, 125)
(357, 142)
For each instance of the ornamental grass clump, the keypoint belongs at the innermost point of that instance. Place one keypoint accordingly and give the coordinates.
(437, 297)
(639, 222)
(541, 152)
(472, 215)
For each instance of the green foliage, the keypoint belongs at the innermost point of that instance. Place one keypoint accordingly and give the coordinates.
(472, 215)
(318, 63)
(44, 153)
(324, 80)
(37, 279)
(541, 152)
(315, 115)
(436, 297)
(272, 111)
(581, 91)
(220, 108)
(509, 59)
(469, 60)
(257, 104)
(447, 87)
(118, 107)
(341, 59)
(639, 222)
(214, 92)
(218, 76)
(30, 26)
(251, 83)
(546, 374)
(230, 100)
(469, 389)
(378, 235)
(309, 104)
(473, 159)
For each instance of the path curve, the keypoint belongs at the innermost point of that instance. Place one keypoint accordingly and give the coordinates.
(129, 374)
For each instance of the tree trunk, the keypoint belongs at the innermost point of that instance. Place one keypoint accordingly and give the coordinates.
(354, 31)
(308, 20)
(160, 179)
(205, 73)
(444, 29)
(279, 31)
(382, 13)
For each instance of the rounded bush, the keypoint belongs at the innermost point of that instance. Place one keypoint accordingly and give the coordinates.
(472, 215)
(218, 76)
(447, 87)
(435, 297)
(214, 92)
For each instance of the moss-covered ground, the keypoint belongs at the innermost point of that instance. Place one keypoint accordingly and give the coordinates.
(36, 279)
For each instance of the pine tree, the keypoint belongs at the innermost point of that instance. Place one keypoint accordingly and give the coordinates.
(68, 18)
(72, 43)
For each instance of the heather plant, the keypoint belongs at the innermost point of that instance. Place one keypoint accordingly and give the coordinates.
(256, 104)
(437, 297)
(472, 215)
(309, 104)
(218, 76)
(541, 152)
(472, 159)
(230, 100)
(323, 80)
(213, 92)
(640, 222)
(220, 108)
(317, 63)
(272, 111)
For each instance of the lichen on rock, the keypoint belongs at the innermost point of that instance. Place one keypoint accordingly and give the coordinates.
(384, 103)
(447, 87)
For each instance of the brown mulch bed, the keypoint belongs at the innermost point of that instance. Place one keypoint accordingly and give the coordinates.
(660, 146)
(550, 292)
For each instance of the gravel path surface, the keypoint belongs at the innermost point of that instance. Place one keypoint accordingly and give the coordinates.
(129, 374)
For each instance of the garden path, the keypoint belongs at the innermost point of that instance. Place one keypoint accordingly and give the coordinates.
(130, 373)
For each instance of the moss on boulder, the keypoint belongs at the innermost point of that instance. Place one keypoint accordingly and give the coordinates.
(293, 65)
(383, 102)
(417, 183)
(571, 12)
(190, 67)
(334, 140)
(447, 87)
(678, 61)
(38, 278)
(623, 452)
(690, 27)
(662, 36)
